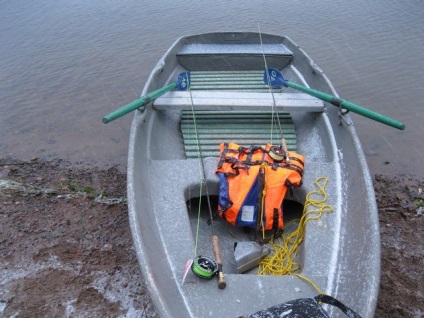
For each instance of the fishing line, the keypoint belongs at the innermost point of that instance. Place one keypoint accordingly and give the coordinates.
(202, 267)
(274, 110)
(202, 166)
(205, 267)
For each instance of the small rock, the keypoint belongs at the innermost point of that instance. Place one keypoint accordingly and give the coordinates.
(420, 211)
(297, 290)
(402, 196)
(108, 247)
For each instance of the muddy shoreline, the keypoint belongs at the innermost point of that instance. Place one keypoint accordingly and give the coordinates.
(66, 248)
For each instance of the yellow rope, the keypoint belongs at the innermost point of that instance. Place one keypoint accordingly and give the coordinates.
(284, 249)
(310, 282)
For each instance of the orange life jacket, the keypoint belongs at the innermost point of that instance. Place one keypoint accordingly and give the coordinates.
(252, 185)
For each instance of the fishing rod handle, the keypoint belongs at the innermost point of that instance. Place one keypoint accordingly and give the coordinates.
(221, 280)
(217, 252)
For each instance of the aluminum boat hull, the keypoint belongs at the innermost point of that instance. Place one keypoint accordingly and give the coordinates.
(341, 251)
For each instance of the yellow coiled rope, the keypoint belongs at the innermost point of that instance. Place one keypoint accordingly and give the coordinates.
(284, 249)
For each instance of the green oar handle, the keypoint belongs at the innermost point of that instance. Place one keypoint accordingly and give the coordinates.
(348, 105)
(138, 103)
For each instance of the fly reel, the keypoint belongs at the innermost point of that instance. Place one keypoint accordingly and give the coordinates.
(204, 267)
(277, 153)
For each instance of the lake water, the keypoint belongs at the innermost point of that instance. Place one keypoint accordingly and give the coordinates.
(65, 64)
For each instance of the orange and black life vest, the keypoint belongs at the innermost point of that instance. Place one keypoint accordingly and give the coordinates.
(252, 185)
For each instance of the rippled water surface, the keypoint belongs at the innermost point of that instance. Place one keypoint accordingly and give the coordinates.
(65, 64)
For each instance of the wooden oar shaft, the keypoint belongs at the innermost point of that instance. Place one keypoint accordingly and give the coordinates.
(138, 103)
(348, 105)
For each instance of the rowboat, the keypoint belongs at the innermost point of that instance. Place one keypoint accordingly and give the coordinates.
(172, 154)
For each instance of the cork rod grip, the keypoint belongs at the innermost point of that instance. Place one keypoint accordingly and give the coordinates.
(217, 252)
(284, 146)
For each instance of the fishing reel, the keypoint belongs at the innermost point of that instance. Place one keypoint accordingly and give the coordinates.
(204, 267)
(277, 153)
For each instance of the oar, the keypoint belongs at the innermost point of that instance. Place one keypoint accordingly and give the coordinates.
(274, 78)
(182, 84)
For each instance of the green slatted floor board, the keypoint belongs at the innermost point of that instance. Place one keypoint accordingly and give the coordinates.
(243, 128)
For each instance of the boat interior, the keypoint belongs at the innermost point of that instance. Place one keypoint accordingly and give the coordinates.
(233, 106)
(177, 146)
